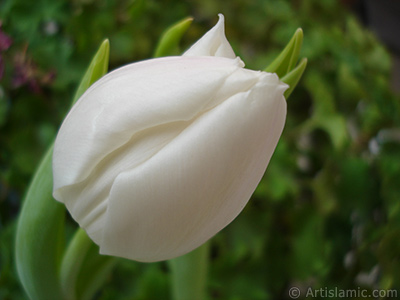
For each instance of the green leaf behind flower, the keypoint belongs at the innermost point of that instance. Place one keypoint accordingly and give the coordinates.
(97, 68)
(287, 59)
(40, 238)
(169, 42)
(293, 77)
(285, 64)
(40, 233)
(83, 269)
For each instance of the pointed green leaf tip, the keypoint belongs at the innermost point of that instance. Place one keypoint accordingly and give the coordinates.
(169, 42)
(293, 77)
(285, 64)
(97, 68)
(286, 60)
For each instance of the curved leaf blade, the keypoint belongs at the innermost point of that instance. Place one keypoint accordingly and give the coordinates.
(40, 237)
(97, 68)
(293, 77)
(287, 59)
(169, 42)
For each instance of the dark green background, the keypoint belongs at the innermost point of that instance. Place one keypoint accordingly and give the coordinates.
(327, 213)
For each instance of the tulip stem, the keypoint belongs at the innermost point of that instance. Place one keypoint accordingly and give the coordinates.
(71, 263)
(83, 270)
(189, 274)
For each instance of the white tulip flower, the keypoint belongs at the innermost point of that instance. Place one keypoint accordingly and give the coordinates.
(158, 156)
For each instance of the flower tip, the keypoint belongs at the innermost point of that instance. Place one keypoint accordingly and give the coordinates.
(213, 43)
(221, 24)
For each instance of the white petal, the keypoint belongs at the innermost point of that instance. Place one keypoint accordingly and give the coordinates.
(126, 118)
(213, 43)
(200, 181)
(131, 99)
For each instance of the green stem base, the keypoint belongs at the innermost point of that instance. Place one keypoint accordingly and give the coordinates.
(189, 274)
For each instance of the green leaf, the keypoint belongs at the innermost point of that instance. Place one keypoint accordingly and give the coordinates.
(324, 112)
(287, 59)
(97, 68)
(72, 262)
(40, 232)
(310, 248)
(333, 124)
(40, 236)
(293, 77)
(83, 269)
(95, 270)
(169, 42)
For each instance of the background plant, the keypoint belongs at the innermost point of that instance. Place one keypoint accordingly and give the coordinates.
(326, 214)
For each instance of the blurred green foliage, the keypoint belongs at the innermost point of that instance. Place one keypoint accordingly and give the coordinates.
(327, 213)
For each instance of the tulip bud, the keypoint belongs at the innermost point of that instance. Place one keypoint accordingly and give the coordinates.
(158, 156)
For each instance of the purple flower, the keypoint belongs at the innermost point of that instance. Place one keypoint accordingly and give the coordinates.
(5, 43)
(5, 40)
